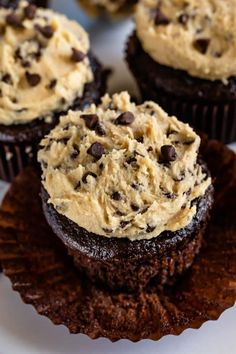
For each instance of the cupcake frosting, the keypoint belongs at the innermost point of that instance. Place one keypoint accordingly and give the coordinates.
(43, 65)
(123, 170)
(197, 36)
(108, 5)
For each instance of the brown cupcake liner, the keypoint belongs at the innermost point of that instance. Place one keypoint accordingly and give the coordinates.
(39, 269)
(217, 120)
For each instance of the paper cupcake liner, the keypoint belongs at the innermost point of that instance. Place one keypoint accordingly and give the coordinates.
(44, 275)
(217, 120)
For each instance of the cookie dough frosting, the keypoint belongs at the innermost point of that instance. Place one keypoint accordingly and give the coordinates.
(43, 65)
(122, 170)
(197, 36)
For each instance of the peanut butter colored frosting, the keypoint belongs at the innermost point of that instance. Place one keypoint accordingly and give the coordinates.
(43, 63)
(197, 36)
(123, 170)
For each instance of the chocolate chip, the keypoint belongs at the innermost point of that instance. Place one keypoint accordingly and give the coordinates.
(107, 231)
(91, 120)
(168, 153)
(46, 31)
(96, 150)
(52, 84)
(124, 223)
(30, 11)
(101, 166)
(201, 45)
(160, 19)
(116, 196)
(135, 186)
(140, 139)
(150, 228)
(169, 195)
(131, 160)
(100, 129)
(77, 55)
(183, 18)
(150, 149)
(134, 207)
(74, 154)
(13, 20)
(84, 178)
(7, 79)
(33, 79)
(125, 119)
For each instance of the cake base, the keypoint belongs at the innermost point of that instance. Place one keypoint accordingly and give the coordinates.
(40, 270)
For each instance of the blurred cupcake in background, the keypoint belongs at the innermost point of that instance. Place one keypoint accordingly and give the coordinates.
(182, 55)
(14, 3)
(46, 68)
(111, 7)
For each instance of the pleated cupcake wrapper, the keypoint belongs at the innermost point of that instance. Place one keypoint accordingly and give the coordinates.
(14, 157)
(45, 277)
(217, 120)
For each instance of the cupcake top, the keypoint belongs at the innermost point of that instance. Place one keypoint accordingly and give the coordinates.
(123, 170)
(197, 36)
(43, 66)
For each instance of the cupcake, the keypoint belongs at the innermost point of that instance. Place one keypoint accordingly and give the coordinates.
(124, 188)
(117, 7)
(46, 67)
(183, 57)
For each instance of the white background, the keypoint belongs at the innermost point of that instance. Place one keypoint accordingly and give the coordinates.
(22, 331)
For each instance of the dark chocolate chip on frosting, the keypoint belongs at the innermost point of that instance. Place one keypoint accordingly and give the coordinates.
(52, 84)
(160, 19)
(13, 20)
(7, 79)
(77, 55)
(30, 11)
(116, 196)
(168, 153)
(183, 18)
(46, 31)
(125, 118)
(32, 79)
(201, 45)
(100, 129)
(96, 150)
(91, 120)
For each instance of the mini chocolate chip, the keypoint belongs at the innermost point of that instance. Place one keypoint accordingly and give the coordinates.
(30, 11)
(46, 31)
(33, 79)
(91, 120)
(183, 18)
(101, 166)
(134, 207)
(135, 186)
(13, 20)
(169, 195)
(201, 45)
(84, 178)
(150, 228)
(116, 196)
(119, 213)
(150, 148)
(131, 160)
(124, 223)
(125, 119)
(26, 64)
(77, 55)
(74, 155)
(140, 139)
(100, 129)
(7, 79)
(160, 18)
(107, 231)
(52, 84)
(168, 153)
(96, 150)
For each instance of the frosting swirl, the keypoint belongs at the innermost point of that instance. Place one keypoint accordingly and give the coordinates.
(43, 65)
(197, 36)
(123, 170)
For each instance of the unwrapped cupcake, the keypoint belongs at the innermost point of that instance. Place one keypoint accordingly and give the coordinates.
(45, 68)
(126, 191)
(183, 55)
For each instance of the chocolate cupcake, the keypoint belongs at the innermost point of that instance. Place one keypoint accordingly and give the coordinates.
(125, 190)
(46, 68)
(182, 56)
(117, 7)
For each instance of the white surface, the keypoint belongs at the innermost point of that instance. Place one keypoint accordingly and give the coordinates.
(22, 331)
